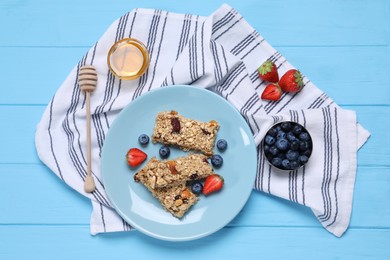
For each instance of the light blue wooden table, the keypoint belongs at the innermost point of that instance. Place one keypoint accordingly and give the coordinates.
(342, 46)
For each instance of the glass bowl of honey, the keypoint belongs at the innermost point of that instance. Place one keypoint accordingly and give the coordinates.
(128, 59)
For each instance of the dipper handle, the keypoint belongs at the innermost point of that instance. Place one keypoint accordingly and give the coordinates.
(87, 82)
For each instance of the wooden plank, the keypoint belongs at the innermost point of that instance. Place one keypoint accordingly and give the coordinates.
(74, 242)
(375, 119)
(369, 209)
(75, 23)
(18, 133)
(19, 124)
(42, 74)
(36, 196)
(320, 23)
(319, 37)
(350, 75)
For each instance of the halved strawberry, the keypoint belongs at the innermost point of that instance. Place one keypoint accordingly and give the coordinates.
(213, 183)
(271, 92)
(268, 72)
(135, 157)
(291, 81)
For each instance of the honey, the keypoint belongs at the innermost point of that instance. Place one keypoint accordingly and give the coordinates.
(128, 59)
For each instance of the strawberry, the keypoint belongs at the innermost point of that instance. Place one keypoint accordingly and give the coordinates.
(213, 183)
(291, 81)
(135, 157)
(272, 92)
(268, 72)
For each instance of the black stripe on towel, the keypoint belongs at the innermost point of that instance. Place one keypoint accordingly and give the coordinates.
(304, 167)
(223, 21)
(253, 48)
(132, 23)
(51, 140)
(327, 165)
(153, 31)
(217, 64)
(229, 28)
(158, 51)
(244, 43)
(96, 116)
(70, 113)
(338, 167)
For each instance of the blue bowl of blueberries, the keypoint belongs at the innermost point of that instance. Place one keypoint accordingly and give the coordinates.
(287, 145)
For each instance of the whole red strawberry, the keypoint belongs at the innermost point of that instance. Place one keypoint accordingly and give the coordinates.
(271, 92)
(212, 183)
(268, 72)
(291, 81)
(135, 157)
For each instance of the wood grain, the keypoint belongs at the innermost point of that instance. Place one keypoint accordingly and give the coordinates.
(247, 242)
(342, 46)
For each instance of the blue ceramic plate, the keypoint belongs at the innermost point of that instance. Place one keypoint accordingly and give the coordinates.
(135, 203)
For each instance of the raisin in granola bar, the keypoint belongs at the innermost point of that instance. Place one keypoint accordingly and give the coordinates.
(159, 174)
(173, 129)
(176, 199)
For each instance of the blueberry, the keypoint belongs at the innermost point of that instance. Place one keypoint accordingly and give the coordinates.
(221, 145)
(273, 150)
(269, 157)
(197, 187)
(286, 164)
(303, 145)
(294, 145)
(164, 151)
(306, 152)
(297, 129)
(269, 140)
(292, 155)
(303, 159)
(277, 161)
(272, 132)
(282, 144)
(291, 137)
(282, 155)
(286, 126)
(294, 165)
(217, 160)
(304, 136)
(281, 134)
(266, 148)
(143, 139)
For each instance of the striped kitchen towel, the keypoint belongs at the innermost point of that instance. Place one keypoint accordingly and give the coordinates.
(222, 53)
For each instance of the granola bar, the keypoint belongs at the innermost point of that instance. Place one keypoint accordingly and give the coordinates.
(174, 129)
(158, 174)
(176, 199)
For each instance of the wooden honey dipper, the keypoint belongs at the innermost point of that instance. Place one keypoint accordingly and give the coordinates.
(87, 82)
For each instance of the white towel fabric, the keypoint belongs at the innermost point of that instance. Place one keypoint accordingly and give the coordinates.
(222, 53)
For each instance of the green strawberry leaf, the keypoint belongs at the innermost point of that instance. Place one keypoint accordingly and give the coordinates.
(298, 79)
(265, 67)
